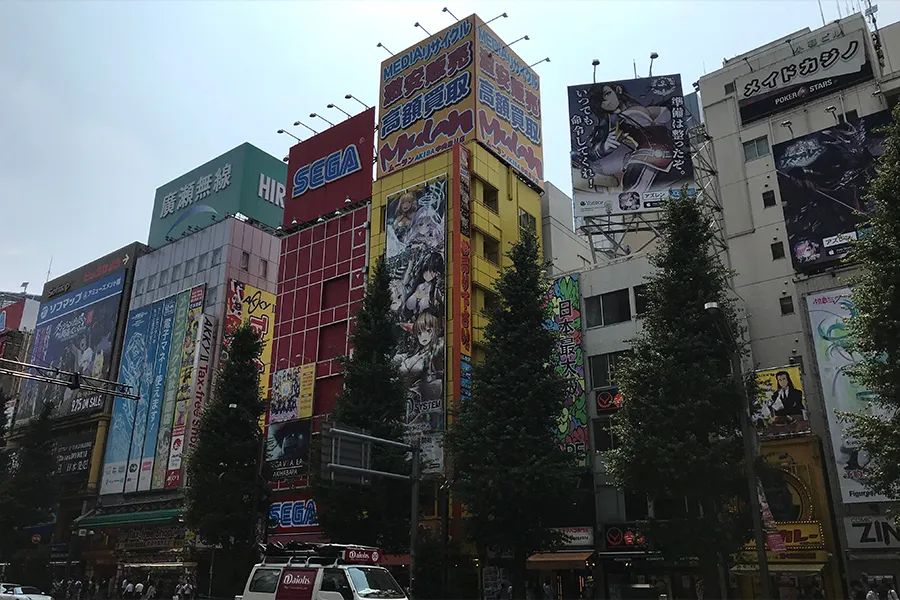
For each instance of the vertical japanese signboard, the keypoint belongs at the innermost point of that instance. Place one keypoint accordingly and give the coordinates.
(246, 303)
(630, 149)
(508, 105)
(828, 314)
(462, 284)
(562, 303)
(206, 339)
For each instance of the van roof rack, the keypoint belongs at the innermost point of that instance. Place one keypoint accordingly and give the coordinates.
(317, 553)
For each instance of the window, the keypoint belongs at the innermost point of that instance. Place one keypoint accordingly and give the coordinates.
(216, 257)
(756, 148)
(787, 305)
(264, 580)
(382, 215)
(640, 299)
(263, 267)
(333, 340)
(163, 277)
(777, 250)
(608, 308)
(527, 222)
(635, 506)
(603, 369)
(768, 198)
(491, 249)
(176, 272)
(151, 283)
(491, 301)
(203, 262)
(139, 287)
(212, 295)
(729, 88)
(336, 292)
(190, 267)
(851, 115)
(604, 439)
(334, 580)
(491, 197)
(245, 261)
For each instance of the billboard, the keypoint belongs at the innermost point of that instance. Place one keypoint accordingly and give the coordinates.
(244, 180)
(123, 258)
(562, 302)
(75, 331)
(426, 98)
(462, 283)
(138, 441)
(416, 259)
(834, 62)
(73, 454)
(297, 514)
(828, 313)
(822, 178)
(508, 105)
(11, 316)
(246, 303)
(630, 149)
(780, 406)
(328, 168)
(287, 448)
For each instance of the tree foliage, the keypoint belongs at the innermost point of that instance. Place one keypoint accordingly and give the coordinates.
(509, 469)
(678, 430)
(225, 496)
(875, 327)
(373, 399)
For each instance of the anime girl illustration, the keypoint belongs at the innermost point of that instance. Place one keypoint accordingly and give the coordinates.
(428, 291)
(427, 230)
(424, 367)
(404, 213)
(632, 144)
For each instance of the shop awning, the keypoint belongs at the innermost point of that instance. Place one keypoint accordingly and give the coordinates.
(780, 568)
(130, 518)
(552, 561)
(159, 565)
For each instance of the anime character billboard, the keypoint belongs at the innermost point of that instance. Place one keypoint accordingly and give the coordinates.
(630, 149)
(416, 254)
(822, 178)
(780, 407)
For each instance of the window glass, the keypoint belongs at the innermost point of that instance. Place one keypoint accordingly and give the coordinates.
(334, 580)
(264, 580)
(491, 197)
(263, 268)
(756, 148)
(729, 88)
(604, 439)
(777, 250)
(245, 261)
(603, 369)
(640, 299)
(616, 307)
(163, 277)
(373, 582)
(768, 198)
(635, 506)
(216, 256)
(593, 311)
(492, 249)
(527, 222)
(203, 262)
(787, 305)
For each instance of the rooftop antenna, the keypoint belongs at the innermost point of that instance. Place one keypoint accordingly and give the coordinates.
(50, 266)
(447, 10)
(634, 64)
(821, 13)
(838, 4)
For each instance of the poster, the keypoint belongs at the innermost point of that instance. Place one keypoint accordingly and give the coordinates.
(780, 407)
(462, 248)
(630, 148)
(73, 454)
(285, 395)
(828, 312)
(822, 178)
(307, 391)
(416, 258)
(74, 332)
(563, 305)
(256, 306)
(287, 448)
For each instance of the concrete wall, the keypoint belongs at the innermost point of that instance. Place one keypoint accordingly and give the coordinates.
(565, 249)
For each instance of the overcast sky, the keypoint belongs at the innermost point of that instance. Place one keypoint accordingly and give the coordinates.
(100, 103)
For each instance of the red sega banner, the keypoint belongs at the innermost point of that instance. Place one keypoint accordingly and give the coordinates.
(11, 316)
(330, 167)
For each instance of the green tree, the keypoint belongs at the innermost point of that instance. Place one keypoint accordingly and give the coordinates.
(373, 399)
(678, 430)
(509, 469)
(875, 327)
(225, 496)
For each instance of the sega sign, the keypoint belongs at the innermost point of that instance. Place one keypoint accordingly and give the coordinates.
(293, 514)
(330, 167)
(327, 169)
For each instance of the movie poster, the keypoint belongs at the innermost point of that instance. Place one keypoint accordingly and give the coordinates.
(630, 149)
(74, 332)
(828, 314)
(287, 448)
(780, 406)
(822, 178)
(416, 255)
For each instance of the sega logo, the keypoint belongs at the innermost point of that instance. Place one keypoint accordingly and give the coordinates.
(336, 165)
(295, 513)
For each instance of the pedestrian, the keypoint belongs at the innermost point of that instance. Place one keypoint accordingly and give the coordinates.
(151, 591)
(548, 591)
(129, 591)
(892, 594)
(139, 590)
(872, 595)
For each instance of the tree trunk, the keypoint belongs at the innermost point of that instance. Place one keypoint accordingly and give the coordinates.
(517, 574)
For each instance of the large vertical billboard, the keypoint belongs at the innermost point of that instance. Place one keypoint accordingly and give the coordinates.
(416, 261)
(780, 406)
(75, 331)
(828, 313)
(508, 105)
(562, 303)
(426, 98)
(822, 178)
(462, 282)
(630, 149)
(152, 356)
(252, 305)
(330, 167)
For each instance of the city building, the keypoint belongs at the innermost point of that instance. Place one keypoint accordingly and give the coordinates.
(18, 316)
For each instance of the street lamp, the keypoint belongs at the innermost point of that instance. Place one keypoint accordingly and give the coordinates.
(333, 105)
(653, 56)
(352, 97)
(290, 134)
(318, 116)
(749, 437)
(296, 123)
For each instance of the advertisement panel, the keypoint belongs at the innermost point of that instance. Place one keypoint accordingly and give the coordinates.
(822, 178)
(509, 105)
(11, 316)
(123, 258)
(329, 167)
(426, 99)
(462, 256)
(206, 339)
(828, 314)
(835, 62)
(416, 259)
(307, 390)
(246, 303)
(295, 515)
(780, 407)
(630, 149)
(872, 533)
(284, 403)
(73, 454)
(562, 302)
(296, 584)
(287, 448)
(74, 332)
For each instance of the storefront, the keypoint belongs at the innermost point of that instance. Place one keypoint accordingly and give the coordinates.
(567, 572)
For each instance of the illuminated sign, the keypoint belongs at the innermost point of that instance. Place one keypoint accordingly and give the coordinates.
(336, 165)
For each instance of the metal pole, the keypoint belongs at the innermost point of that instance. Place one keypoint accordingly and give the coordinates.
(749, 435)
(413, 516)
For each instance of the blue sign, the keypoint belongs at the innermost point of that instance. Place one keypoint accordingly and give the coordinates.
(293, 513)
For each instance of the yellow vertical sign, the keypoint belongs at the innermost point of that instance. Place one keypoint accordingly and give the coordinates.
(307, 390)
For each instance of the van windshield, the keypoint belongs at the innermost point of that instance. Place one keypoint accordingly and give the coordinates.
(372, 582)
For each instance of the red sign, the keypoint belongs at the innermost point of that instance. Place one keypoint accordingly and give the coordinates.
(625, 536)
(362, 556)
(11, 316)
(608, 400)
(330, 167)
(296, 584)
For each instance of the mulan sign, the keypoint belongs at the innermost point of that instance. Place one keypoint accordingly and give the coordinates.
(822, 70)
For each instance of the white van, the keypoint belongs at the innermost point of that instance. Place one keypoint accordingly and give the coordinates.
(321, 572)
